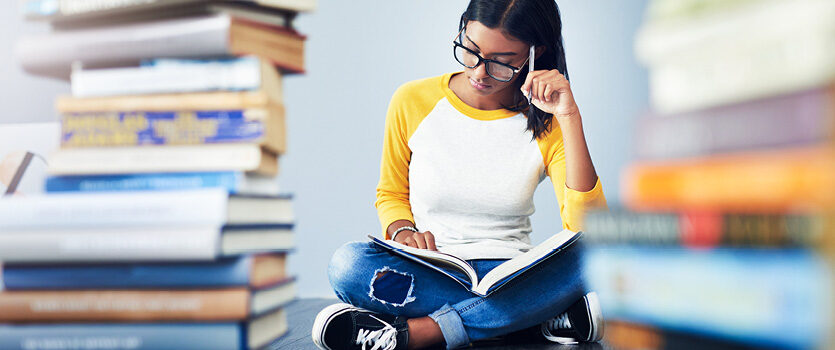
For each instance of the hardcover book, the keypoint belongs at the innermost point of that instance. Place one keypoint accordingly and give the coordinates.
(144, 209)
(260, 126)
(798, 119)
(249, 158)
(169, 75)
(216, 35)
(147, 244)
(766, 181)
(255, 271)
(706, 229)
(71, 11)
(749, 296)
(231, 181)
(226, 304)
(251, 334)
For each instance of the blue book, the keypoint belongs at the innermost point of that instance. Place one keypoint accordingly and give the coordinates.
(252, 334)
(234, 182)
(762, 297)
(462, 272)
(263, 126)
(255, 271)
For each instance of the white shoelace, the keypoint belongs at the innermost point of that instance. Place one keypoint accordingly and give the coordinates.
(559, 322)
(381, 339)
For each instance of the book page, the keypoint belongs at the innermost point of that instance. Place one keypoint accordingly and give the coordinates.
(525, 260)
(442, 260)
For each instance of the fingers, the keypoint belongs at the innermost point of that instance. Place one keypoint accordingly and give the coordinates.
(421, 240)
(548, 92)
(410, 241)
(430, 241)
(543, 84)
(539, 91)
(529, 80)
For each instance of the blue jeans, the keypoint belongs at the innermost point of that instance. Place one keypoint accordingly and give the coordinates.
(412, 290)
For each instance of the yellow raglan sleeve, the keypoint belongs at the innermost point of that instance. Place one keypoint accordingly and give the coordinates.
(393, 188)
(573, 204)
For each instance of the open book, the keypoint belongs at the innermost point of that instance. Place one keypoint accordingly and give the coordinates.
(462, 272)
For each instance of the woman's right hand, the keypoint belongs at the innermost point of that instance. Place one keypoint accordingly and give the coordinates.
(420, 240)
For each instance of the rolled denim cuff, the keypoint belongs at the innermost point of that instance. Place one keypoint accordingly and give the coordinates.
(451, 326)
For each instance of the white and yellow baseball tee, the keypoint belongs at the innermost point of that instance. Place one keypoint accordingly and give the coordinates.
(469, 175)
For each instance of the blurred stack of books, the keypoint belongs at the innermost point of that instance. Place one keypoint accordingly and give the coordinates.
(726, 238)
(163, 226)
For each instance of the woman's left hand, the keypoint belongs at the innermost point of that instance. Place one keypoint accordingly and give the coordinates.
(551, 94)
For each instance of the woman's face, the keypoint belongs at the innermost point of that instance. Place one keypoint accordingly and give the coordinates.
(496, 45)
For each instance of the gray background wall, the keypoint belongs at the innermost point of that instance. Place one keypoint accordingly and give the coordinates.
(358, 53)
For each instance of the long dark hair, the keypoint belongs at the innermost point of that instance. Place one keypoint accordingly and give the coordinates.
(535, 22)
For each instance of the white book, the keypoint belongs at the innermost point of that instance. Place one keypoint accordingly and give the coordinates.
(53, 54)
(160, 159)
(462, 272)
(765, 49)
(165, 76)
(128, 244)
(80, 10)
(110, 244)
(86, 210)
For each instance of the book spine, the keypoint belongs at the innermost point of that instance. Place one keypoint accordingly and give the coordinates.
(769, 181)
(704, 229)
(169, 76)
(203, 207)
(626, 227)
(802, 118)
(125, 305)
(749, 296)
(125, 336)
(176, 159)
(233, 182)
(109, 244)
(222, 273)
(97, 129)
(230, 181)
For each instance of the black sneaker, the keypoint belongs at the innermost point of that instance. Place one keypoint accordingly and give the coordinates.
(344, 326)
(582, 322)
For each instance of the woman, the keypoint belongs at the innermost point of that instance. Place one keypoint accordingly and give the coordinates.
(463, 154)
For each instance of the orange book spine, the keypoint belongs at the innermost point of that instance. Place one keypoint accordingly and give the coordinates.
(749, 182)
(124, 305)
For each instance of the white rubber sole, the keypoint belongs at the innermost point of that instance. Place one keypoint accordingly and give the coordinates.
(593, 305)
(322, 320)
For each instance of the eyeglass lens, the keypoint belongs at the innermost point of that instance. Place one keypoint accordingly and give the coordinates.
(470, 60)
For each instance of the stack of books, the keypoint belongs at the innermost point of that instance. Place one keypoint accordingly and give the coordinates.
(162, 226)
(725, 239)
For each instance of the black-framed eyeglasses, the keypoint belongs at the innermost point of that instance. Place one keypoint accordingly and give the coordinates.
(468, 58)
